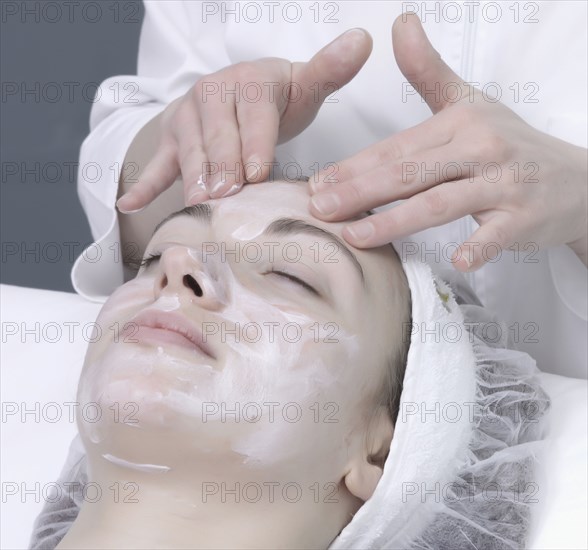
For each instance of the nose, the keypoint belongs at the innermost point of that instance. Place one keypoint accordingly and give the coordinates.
(183, 275)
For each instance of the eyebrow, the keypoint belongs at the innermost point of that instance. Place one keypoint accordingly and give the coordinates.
(281, 226)
(201, 211)
(292, 226)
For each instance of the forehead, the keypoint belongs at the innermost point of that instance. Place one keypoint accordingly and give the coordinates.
(245, 215)
(272, 200)
(256, 205)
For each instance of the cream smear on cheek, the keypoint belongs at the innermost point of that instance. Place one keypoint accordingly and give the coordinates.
(279, 386)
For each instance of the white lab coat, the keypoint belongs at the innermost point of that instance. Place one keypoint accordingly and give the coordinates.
(526, 51)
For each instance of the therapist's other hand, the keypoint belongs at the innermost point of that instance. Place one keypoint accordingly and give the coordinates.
(473, 156)
(218, 140)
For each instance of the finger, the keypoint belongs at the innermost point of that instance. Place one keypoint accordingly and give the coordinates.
(157, 176)
(192, 158)
(431, 208)
(422, 65)
(485, 244)
(327, 71)
(338, 62)
(430, 134)
(258, 125)
(222, 143)
(398, 179)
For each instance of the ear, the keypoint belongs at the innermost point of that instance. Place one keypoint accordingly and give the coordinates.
(365, 470)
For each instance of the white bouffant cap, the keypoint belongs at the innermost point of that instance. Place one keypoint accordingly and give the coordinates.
(470, 422)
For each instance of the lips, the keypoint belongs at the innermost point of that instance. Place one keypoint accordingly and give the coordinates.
(174, 322)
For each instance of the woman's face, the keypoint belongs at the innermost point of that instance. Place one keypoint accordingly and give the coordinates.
(294, 331)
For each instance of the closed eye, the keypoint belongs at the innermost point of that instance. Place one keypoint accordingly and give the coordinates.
(150, 259)
(145, 262)
(296, 280)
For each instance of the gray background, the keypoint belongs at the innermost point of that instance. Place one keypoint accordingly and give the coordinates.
(44, 45)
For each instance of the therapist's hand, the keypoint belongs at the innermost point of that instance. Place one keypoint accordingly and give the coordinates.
(217, 140)
(473, 156)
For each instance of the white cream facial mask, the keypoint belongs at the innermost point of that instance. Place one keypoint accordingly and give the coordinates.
(278, 372)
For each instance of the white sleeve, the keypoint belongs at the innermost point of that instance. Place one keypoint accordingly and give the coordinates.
(175, 49)
(568, 122)
(570, 275)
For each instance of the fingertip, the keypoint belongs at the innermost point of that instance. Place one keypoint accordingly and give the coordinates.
(359, 234)
(253, 168)
(233, 190)
(311, 186)
(460, 266)
(462, 261)
(195, 189)
(312, 209)
(325, 205)
(405, 17)
(359, 33)
(197, 197)
(321, 181)
(125, 205)
(131, 211)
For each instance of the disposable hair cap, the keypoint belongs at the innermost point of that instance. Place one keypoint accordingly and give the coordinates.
(460, 471)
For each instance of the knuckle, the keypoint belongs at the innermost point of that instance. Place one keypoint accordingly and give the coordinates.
(177, 116)
(198, 90)
(499, 235)
(245, 72)
(354, 194)
(402, 172)
(435, 204)
(493, 148)
(192, 151)
(389, 152)
(386, 225)
(207, 88)
(219, 138)
(170, 113)
(513, 196)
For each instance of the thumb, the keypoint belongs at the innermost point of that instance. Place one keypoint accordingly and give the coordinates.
(338, 62)
(422, 65)
(327, 71)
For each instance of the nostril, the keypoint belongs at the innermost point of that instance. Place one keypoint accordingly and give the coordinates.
(191, 282)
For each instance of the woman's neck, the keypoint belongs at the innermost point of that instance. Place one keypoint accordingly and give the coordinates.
(125, 508)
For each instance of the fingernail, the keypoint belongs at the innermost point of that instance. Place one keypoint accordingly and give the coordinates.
(197, 191)
(201, 183)
(361, 231)
(461, 256)
(316, 183)
(326, 204)
(123, 210)
(217, 189)
(232, 190)
(196, 197)
(253, 169)
(356, 33)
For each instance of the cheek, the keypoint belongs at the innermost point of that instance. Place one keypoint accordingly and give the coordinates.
(120, 306)
(110, 364)
(290, 381)
(277, 348)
